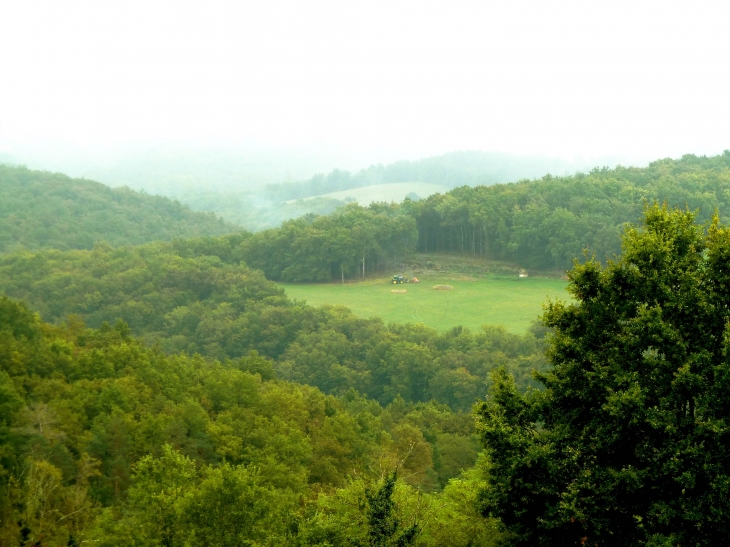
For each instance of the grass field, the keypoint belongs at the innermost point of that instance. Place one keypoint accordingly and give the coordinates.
(490, 299)
(394, 191)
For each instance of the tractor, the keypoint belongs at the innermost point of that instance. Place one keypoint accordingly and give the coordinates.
(398, 279)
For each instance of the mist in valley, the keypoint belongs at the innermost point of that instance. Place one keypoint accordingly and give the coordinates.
(336, 274)
(195, 103)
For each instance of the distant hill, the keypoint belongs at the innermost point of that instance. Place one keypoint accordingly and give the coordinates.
(392, 192)
(461, 168)
(41, 210)
(269, 206)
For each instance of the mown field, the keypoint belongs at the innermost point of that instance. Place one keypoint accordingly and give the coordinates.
(493, 299)
(394, 191)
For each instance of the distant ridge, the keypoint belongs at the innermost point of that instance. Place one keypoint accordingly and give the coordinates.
(453, 169)
(42, 210)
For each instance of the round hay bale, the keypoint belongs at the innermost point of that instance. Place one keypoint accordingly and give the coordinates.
(442, 287)
(398, 291)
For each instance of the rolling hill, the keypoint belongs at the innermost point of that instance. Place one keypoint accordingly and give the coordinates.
(41, 210)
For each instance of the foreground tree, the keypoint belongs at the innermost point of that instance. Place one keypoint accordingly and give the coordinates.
(629, 442)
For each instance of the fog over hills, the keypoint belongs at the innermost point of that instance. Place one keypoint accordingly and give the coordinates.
(172, 169)
(177, 170)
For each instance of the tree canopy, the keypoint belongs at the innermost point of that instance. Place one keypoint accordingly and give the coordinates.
(628, 442)
(545, 223)
(105, 440)
(194, 296)
(41, 210)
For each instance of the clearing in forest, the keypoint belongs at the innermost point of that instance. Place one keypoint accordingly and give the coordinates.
(510, 301)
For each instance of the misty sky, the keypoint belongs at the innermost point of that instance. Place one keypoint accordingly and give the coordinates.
(417, 77)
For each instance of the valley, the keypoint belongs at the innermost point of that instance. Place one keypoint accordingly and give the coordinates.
(490, 299)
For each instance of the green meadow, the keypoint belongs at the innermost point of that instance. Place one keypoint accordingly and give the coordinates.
(496, 300)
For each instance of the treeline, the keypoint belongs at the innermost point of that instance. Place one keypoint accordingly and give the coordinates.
(540, 224)
(545, 223)
(349, 243)
(41, 210)
(195, 296)
(454, 169)
(107, 441)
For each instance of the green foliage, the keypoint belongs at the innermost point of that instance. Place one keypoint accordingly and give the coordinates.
(194, 296)
(390, 512)
(384, 528)
(172, 503)
(41, 210)
(544, 224)
(541, 224)
(348, 243)
(627, 445)
(106, 440)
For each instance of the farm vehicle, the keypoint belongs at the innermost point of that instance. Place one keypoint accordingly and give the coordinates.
(399, 279)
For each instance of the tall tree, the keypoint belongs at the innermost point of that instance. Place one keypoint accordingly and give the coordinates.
(628, 443)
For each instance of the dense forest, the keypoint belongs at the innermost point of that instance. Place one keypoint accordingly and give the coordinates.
(541, 224)
(627, 444)
(170, 394)
(107, 441)
(544, 223)
(195, 296)
(41, 210)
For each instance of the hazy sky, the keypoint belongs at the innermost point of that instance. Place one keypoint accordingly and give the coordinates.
(420, 77)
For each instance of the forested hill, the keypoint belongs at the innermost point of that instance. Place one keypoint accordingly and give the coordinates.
(108, 442)
(453, 169)
(50, 210)
(545, 223)
(196, 297)
(541, 224)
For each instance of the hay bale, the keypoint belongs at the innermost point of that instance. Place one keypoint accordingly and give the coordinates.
(442, 287)
(398, 291)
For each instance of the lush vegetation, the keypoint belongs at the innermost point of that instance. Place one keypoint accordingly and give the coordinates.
(193, 296)
(352, 242)
(262, 208)
(509, 301)
(540, 224)
(40, 210)
(177, 397)
(104, 440)
(544, 224)
(628, 443)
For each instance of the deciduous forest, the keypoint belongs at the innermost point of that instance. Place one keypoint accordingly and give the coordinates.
(41, 210)
(158, 388)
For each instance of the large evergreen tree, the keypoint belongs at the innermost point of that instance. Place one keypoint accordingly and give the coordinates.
(629, 442)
